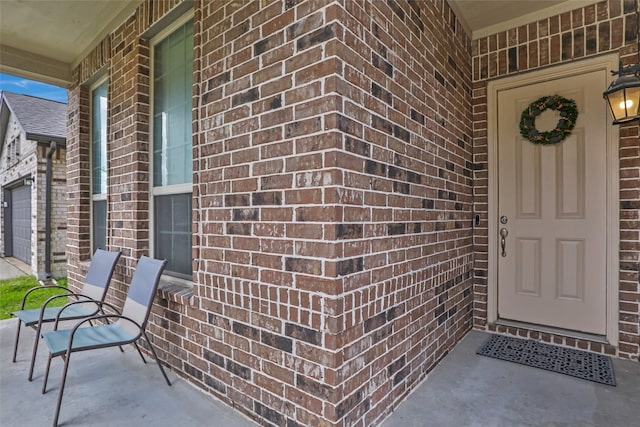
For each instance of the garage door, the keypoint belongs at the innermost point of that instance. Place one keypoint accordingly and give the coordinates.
(21, 223)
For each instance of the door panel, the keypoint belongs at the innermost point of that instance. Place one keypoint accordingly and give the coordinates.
(554, 271)
(21, 223)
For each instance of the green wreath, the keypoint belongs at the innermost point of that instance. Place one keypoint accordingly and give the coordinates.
(568, 116)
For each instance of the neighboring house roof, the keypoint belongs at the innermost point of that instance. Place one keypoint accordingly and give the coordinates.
(41, 119)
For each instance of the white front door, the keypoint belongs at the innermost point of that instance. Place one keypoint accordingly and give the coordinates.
(552, 202)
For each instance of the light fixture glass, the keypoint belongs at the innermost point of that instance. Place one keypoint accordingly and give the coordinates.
(623, 96)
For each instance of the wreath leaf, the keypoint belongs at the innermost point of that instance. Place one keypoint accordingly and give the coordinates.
(568, 116)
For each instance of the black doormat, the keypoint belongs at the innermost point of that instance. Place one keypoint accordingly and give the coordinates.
(577, 363)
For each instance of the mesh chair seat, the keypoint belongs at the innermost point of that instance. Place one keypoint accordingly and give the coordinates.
(31, 317)
(87, 338)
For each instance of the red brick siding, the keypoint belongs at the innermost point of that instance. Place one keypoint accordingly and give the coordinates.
(608, 26)
(408, 198)
(332, 199)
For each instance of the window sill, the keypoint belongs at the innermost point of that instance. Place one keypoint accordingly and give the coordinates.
(175, 291)
(170, 289)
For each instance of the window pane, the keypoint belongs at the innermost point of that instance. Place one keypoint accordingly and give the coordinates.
(99, 228)
(172, 239)
(172, 118)
(99, 139)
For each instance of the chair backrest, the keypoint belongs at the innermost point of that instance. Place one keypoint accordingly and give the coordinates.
(99, 275)
(142, 290)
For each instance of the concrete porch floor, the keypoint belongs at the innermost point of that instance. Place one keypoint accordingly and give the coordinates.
(107, 388)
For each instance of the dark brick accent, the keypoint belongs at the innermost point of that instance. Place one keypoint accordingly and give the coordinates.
(414, 177)
(397, 173)
(396, 311)
(303, 265)
(301, 333)
(567, 45)
(396, 366)
(349, 126)
(402, 133)
(382, 124)
(218, 80)
(396, 9)
(381, 64)
(246, 331)
(513, 59)
(215, 384)
(245, 214)
(276, 102)
(349, 266)
(592, 40)
(440, 78)
(244, 97)
(375, 322)
(357, 146)
(348, 404)
(192, 371)
(375, 168)
(266, 198)
(269, 43)
(314, 388)
(428, 203)
(396, 228)
(319, 36)
(630, 204)
(238, 369)
(292, 423)
(401, 375)
(349, 231)
(213, 357)
(236, 200)
(269, 414)
(240, 228)
(383, 94)
(401, 187)
(630, 28)
(417, 117)
(277, 341)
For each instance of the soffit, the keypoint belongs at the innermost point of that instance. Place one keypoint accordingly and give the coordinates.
(484, 17)
(44, 39)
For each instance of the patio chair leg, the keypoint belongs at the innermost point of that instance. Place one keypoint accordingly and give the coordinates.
(139, 352)
(155, 356)
(15, 347)
(46, 375)
(64, 379)
(35, 350)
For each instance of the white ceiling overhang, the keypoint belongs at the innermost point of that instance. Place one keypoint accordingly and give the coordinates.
(44, 39)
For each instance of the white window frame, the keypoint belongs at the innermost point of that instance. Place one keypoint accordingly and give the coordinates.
(168, 189)
(97, 197)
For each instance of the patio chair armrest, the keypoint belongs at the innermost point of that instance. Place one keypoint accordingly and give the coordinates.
(102, 316)
(99, 306)
(37, 288)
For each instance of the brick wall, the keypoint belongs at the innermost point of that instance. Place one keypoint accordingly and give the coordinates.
(332, 199)
(608, 26)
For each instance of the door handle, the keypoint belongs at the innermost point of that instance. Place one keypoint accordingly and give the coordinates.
(503, 241)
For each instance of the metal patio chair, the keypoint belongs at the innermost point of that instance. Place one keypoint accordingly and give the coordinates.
(127, 327)
(95, 287)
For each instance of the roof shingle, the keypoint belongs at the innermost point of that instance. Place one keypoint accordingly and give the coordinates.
(38, 116)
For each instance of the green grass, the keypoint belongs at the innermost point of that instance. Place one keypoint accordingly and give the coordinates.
(12, 291)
